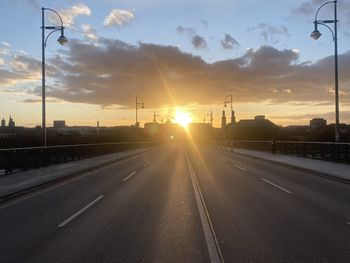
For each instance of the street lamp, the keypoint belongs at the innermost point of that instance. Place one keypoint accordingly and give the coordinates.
(316, 35)
(209, 114)
(229, 99)
(139, 102)
(62, 40)
(155, 115)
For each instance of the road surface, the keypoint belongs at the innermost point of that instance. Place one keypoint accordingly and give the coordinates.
(179, 203)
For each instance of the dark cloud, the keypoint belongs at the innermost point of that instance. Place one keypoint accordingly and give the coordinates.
(20, 69)
(199, 42)
(38, 101)
(270, 33)
(307, 8)
(229, 42)
(186, 30)
(112, 73)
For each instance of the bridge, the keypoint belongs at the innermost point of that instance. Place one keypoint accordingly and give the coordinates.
(176, 202)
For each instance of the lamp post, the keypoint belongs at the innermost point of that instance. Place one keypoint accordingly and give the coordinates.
(139, 102)
(316, 35)
(62, 40)
(229, 99)
(155, 115)
(209, 114)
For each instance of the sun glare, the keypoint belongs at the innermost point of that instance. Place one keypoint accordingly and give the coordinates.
(182, 117)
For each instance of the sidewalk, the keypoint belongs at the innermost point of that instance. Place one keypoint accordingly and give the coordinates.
(332, 169)
(17, 183)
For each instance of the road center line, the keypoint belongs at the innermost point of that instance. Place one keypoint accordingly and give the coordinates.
(129, 176)
(65, 222)
(276, 185)
(209, 233)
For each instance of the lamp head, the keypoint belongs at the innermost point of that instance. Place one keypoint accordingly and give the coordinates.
(62, 40)
(316, 34)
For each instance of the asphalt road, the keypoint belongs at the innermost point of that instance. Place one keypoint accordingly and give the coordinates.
(179, 203)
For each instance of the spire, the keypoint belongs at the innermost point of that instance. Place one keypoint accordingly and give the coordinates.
(233, 118)
(11, 122)
(223, 120)
(3, 122)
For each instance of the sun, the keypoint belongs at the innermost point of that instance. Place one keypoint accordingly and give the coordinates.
(182, 118)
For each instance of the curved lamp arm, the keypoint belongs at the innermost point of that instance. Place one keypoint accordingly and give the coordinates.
(318, 10)
(45, 8)
(330, 29)
(57, 29)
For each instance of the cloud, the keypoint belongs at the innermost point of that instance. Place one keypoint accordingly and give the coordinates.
(89, 32)
(229, 42)
(20, 69)
(118, 18)
(205, 23)
(4, 48)
(39, 101)
(189, 31)
(69, 15)
(269, 33)
(112, 72)
(307, 8)
(199, 42)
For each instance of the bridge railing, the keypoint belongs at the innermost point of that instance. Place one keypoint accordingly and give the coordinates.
(317, 150)
(33, 157)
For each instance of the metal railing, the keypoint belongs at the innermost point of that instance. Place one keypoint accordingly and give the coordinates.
(34, 157)
(329, 151)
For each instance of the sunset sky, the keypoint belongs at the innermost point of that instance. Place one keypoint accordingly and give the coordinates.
(180, 53)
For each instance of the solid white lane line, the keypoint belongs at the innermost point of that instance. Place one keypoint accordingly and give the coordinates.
(276, 185)
(209, 233)
(146, 164)
(65, 222)
(129, 176)
(233, 163)
(241, 168)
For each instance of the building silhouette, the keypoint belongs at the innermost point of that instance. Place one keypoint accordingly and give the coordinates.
(59, 124)
(258, 128)
(3, 123)
(318, 123)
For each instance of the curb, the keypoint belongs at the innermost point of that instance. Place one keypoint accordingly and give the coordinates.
(317, 173)
(39, 186)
